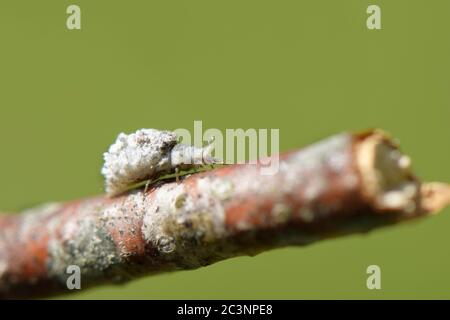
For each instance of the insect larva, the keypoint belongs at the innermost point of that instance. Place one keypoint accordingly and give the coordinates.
(146, 155)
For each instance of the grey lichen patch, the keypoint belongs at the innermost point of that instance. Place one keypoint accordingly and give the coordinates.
(166, 244)
(91, 248)
(180, 200)
(315, 188)
(281, 213)
(183, 227)
(32, 217)
(308, 171)
(191, 237)
(223, 189)
(331, 151)
(332, 154)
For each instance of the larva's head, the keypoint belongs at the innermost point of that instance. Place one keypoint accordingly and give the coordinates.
(186, 156)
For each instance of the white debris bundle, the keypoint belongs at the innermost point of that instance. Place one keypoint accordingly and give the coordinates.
(147, 154)
(136, 157)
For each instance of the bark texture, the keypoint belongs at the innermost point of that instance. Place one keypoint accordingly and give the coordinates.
(345, 184)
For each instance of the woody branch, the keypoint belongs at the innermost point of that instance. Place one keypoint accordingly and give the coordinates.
(346, 184)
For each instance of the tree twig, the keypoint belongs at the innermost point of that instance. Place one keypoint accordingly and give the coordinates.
(345, 184)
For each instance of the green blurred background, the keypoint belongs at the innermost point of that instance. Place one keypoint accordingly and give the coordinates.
(310, 68)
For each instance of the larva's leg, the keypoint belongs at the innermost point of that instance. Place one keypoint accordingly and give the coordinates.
(147, 184)
(177, 174)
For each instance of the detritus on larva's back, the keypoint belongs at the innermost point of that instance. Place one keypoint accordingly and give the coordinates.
(147, 154)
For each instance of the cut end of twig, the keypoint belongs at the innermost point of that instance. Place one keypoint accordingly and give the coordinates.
(388, 181)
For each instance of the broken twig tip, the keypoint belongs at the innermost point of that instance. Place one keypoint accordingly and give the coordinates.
(435, 197)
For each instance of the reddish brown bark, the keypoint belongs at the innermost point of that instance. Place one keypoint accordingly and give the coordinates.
(345, 184)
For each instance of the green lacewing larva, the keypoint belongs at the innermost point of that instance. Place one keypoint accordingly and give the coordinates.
(148, 154)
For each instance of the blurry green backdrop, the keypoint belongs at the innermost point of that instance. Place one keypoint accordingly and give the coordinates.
(310, 68)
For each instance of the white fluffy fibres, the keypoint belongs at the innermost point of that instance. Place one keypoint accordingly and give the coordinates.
(146, 155)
